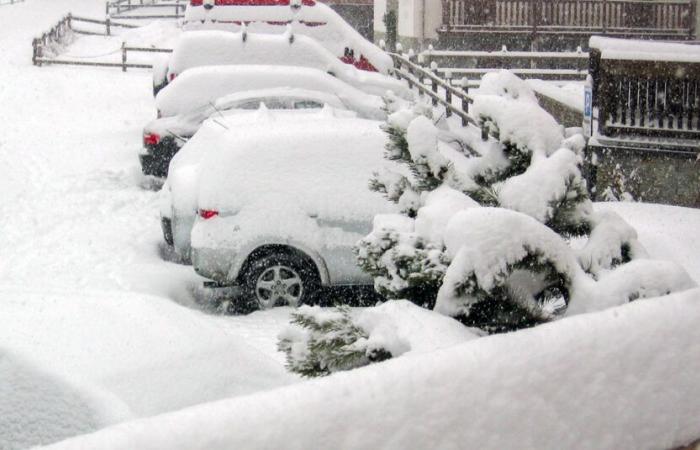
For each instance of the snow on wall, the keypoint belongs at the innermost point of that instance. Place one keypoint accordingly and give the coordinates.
(621, 378)
(644, 50)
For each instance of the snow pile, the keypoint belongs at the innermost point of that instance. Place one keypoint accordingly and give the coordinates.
(148, 352)
(40, 407)
(315, 20)
(621, 378)
(201, 86)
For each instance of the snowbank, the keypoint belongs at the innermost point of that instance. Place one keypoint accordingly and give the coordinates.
(38, 406)
(150, 353)
(621, 378)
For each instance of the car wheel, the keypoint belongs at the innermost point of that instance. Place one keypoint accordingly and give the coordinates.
(280, 279)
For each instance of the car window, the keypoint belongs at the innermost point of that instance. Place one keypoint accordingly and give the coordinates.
(307, 104)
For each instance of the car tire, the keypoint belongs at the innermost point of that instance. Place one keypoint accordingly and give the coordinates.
(280, 279)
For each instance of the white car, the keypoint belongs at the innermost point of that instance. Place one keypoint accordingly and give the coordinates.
(202, 86)
(306, 17)
(179, 206)
(216, 48)
(280, 205)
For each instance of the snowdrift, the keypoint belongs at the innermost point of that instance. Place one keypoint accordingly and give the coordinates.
(621, 378)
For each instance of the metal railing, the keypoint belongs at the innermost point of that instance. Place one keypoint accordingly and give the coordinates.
(124, 9)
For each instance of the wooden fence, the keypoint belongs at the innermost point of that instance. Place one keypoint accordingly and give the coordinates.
(128, 9)
(661, 19)
(42, 47)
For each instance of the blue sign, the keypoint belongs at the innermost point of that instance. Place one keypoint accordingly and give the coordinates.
(588, 103)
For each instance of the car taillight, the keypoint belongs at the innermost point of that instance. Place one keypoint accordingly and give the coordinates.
(196, 2)
(151, 139)
(172, 76)
(208, 213)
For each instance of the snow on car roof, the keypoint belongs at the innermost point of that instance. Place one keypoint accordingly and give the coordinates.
(201, 85)
(212, 47)
(313, 19)
(317, 163)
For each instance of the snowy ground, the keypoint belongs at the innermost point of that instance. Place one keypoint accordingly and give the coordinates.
(84, 290)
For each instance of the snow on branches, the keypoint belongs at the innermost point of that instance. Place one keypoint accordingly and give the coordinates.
(485, 225)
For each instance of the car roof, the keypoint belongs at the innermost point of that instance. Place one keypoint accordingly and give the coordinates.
(318, 163)
(201, 85)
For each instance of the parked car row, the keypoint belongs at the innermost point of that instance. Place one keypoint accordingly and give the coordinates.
(267, 143)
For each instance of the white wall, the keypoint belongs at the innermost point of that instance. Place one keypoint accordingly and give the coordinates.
(379, 11)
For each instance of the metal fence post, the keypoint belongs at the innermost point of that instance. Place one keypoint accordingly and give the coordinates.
(108, 27)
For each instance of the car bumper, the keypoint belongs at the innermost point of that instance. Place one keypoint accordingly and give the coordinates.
(154, 166)
(214, 264)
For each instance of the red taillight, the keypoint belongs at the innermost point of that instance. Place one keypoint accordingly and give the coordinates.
(151, 139)
(208, 213)
(172, 76)
(196, 2)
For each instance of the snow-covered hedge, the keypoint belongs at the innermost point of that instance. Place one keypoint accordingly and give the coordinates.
(321, 341)
(485, 227)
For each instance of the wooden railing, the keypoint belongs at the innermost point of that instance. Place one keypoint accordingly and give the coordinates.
(43, 48)
(653, 18)
(124, 9)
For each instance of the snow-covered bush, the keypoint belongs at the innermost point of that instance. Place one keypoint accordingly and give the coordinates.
(320, 342)
(485, 226)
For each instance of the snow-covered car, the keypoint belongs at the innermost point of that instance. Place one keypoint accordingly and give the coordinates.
(201, 86)
(281, 206)
(305, 17)
(163, 137)
(215, 48)
(179, 207)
